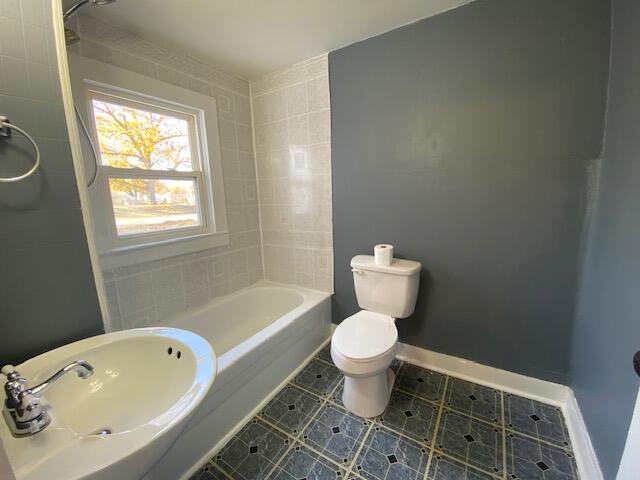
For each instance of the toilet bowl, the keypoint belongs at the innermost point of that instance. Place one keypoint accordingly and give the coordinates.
(363, 347)
(364, 344)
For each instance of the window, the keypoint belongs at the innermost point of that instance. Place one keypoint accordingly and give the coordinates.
(159, 187)
(149, 158)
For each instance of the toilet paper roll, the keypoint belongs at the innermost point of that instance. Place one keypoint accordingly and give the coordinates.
(383, 254)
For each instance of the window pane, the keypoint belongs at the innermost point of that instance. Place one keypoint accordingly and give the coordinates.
(144, 205)
(133, 138)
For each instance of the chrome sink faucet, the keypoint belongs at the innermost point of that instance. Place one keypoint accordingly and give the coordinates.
(23, 410)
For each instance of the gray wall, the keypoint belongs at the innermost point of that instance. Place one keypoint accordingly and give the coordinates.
(607, 328)
(464, 140)
(47, 292)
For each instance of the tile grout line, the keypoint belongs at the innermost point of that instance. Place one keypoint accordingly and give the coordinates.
(437, 427)
(564, 448)
(313, 417)
(473, 417)
(504, 438)
(360, 447)
(487, 422)
(298, 438)
(466, 464)
(327, 399)
(401, 434)
(286, 434)
(295, 438)
(282, 457)
(224, 472)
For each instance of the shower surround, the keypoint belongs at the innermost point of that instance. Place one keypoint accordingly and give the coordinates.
(292, 126)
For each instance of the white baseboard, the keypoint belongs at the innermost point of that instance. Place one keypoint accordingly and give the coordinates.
(536, 389)
(581, 441)
(218, 446)
(547, 392)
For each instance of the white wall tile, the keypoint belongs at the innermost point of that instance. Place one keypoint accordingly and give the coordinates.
(293, 160)
(35, 44)
(167, 283)
(11, 38)
(320, 127)
(13, 72)
(10, 9)
(135, 293)
(165, 288)
(296, 99)
(33, 12)
(318, 93)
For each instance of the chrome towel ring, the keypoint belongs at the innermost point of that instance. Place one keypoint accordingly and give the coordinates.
(5, 132)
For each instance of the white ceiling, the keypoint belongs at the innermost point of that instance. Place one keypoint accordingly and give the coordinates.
(251, 38)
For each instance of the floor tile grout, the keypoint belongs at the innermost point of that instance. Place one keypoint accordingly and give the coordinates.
(360, 447)
(282, 457)
(435, 430)
(327, 399)
(298, 437)
(504, 439)
(466, 464)
(565, 448)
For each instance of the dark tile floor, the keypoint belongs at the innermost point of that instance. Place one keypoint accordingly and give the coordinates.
(436, 427)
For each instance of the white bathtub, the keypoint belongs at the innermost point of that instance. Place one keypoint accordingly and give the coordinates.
(260, 334)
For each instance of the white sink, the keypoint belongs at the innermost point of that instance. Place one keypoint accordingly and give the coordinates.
(146, 383)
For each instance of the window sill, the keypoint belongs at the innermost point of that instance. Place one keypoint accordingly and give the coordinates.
(124, 256)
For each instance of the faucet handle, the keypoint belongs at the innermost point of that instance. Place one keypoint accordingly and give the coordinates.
(13, 376)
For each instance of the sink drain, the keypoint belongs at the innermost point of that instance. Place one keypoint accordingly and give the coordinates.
(102, 432)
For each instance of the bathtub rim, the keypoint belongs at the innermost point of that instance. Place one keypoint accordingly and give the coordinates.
(310, 299)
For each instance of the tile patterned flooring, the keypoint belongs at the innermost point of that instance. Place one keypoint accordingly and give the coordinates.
(436, 427)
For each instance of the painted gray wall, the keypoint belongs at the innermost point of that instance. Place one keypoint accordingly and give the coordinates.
(464, 140)
(607, 328)
(47, 292)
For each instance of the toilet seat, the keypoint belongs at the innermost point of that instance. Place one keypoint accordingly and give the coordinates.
(365, 337)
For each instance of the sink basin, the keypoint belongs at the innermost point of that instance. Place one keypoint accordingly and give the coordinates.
(118, 422)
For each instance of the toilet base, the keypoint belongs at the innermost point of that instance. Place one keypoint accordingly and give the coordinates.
(368, 396)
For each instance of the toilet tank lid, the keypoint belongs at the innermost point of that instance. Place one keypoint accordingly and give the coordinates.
(398, 266)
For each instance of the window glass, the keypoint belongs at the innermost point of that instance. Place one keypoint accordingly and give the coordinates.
(131, 137)
(144, 205)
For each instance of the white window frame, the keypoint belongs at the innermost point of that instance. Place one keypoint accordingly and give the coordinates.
(127, 88)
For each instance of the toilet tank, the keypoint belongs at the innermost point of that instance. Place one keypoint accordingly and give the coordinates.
(388, 290)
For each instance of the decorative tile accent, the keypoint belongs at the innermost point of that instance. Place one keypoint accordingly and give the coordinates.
(318, 377)
(336, 433)
(475, 400)
(421, 382)
(300, 462)
(471, 441)
(388, 456)
(537, 419)
(252, 453)
(209, 472)
(444, 468)
(535, 460)
(291, 409)
(411, 416)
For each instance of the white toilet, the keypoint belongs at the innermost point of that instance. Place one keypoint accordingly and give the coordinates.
(364, 345)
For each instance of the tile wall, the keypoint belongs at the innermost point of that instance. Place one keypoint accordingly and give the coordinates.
(152, 292)
(47, 291)
(292, 125)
